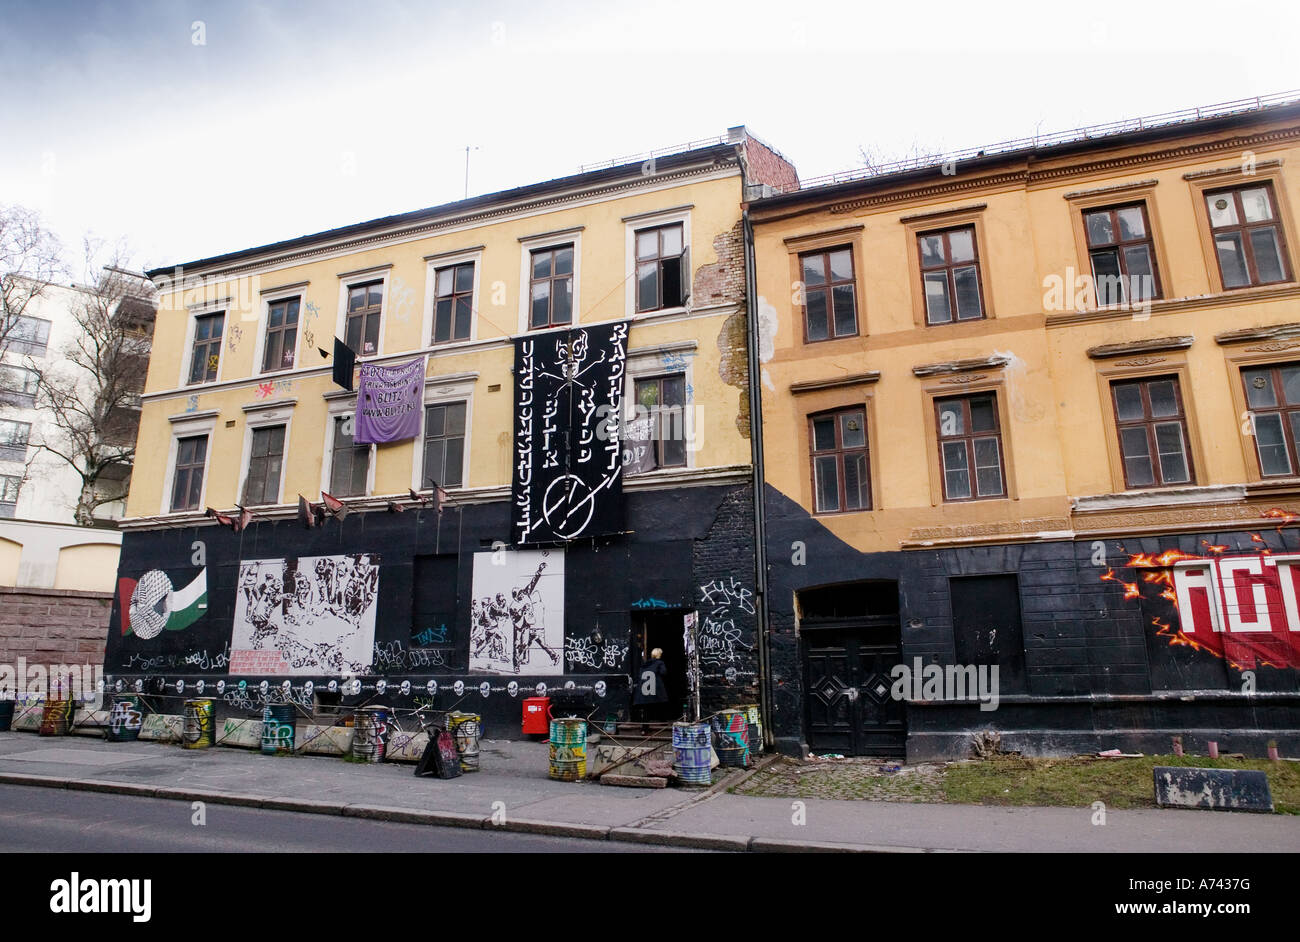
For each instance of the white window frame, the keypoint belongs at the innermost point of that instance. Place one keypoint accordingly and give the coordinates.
(351, 279)
(201, 424)
(653, 221)
(550, 240)
(648, 364)
(264, 318)
(438, 390)
(280, 414)
(341, 408)
(433, 263)
(195, 312)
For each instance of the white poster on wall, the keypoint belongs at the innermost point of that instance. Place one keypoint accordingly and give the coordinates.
(309, 615)
(517, 613)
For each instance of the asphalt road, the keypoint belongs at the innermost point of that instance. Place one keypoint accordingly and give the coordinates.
(55, 820)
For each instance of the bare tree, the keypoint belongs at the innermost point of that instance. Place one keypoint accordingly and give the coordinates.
(91, 393)
(30, 261)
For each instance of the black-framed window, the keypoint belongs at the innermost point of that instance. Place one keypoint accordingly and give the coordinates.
(18, 385)
(444, 445)
(265, 464)
(453, 306)
(10, 485)
(365, 308)
(840, 467)
(950, 275)
(187, 481)
(1273, 395)
(1152, 425)
(970, 447)
(205, 354)
(281, 334)
(29, 335)
(660, 278)
(1122, 254)
(349, 462)
(656, 437)
(550, 287)
(1247, 232)
(830, 294)
(13, 440)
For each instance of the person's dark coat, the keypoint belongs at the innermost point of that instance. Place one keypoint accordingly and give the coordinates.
(651, 685)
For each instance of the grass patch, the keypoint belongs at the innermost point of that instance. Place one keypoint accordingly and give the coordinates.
(1076, 782)
(1006, 780)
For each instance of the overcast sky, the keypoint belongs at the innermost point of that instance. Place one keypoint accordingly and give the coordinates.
(195, 128)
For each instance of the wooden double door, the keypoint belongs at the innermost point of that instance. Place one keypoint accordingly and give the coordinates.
(848, 688)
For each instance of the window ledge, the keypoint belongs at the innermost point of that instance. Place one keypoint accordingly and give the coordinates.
(207, 415)
(1158, 497)
(1277, 292)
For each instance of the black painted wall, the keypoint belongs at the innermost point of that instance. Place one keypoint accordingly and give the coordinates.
(687, 549)
(1096, 672)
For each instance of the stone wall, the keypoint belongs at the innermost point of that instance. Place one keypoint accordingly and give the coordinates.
(53, 626)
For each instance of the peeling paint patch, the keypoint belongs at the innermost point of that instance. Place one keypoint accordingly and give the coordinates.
(734, 365)
(1023, 407)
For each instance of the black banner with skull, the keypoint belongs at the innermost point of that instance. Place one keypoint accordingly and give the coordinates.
(568, 470)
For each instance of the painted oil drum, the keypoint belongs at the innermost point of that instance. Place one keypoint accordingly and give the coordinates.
(692, 752)
(199, 731)
(56, 718)
(371, 737)
(125, 717)
(277, 728)
(466, 730)
(568, 749)
(732, 727)
(6, 715)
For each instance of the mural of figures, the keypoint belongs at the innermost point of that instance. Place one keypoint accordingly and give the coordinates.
(310, 615)
(517, 613)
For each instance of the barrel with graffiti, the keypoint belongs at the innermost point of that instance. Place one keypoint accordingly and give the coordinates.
(732, 728)
(277, 728)
(466, 731)
(568, 749)
(199, 731)
(56, 718)
(692, 753)
(125, 717)
(370, 740)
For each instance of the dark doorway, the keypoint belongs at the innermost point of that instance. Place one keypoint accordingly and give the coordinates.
(852, 641)
(986, 626)
(652, 630)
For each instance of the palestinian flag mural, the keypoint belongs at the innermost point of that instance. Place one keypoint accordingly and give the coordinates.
(150, 604)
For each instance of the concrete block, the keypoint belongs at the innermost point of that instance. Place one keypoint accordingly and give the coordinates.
(634, 781)
(162, 727)
(236, 731)
(611, 756)
(406, 747)
(323, 740)
(27, 716)
(1212, 789)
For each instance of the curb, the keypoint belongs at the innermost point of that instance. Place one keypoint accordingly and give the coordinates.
(595, 832)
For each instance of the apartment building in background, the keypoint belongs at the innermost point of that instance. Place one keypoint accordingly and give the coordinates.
(542, 470)
(1037, 407)
(42, 544)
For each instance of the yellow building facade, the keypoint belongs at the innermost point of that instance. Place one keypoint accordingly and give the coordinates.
(988, 387)
(421, 584)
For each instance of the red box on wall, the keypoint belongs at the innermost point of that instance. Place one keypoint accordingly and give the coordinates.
(537, 715)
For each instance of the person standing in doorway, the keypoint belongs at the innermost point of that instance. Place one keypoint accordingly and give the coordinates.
(650, 694)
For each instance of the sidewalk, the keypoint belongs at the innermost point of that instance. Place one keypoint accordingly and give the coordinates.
(513, 780)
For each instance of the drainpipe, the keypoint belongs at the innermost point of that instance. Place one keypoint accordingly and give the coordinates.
(756, 451)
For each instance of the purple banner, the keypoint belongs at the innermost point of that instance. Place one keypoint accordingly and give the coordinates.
(389, 400)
